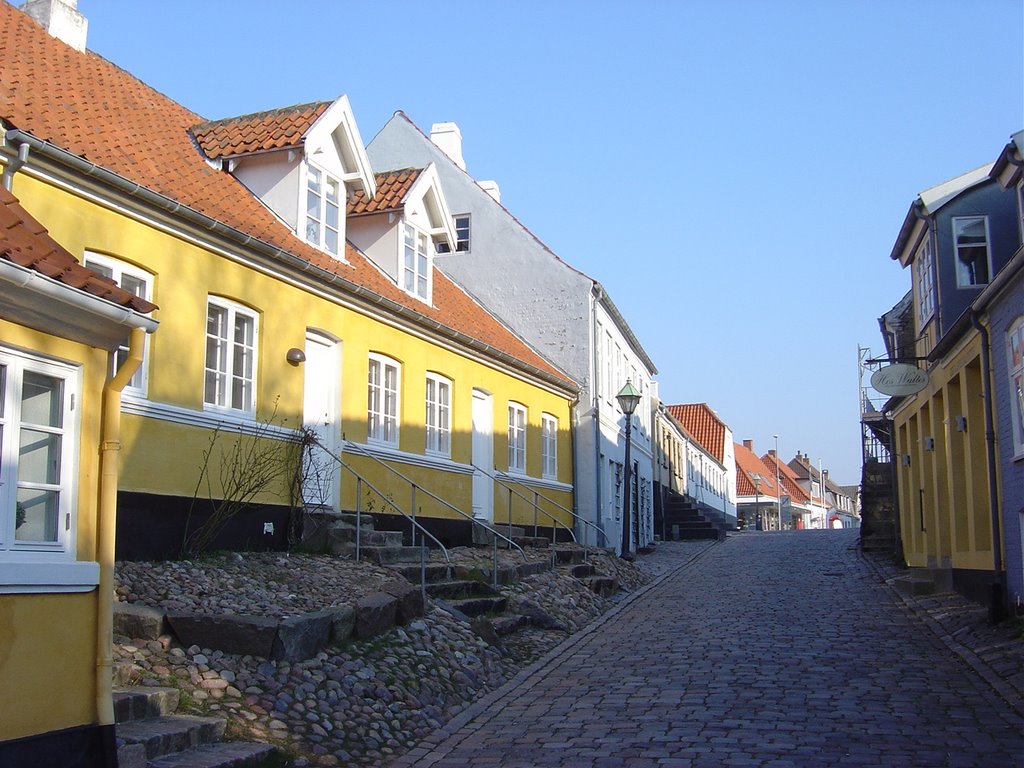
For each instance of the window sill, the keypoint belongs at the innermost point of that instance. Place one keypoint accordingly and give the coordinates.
(41, 576)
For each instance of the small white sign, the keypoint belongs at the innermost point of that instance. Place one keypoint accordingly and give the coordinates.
(899, 379)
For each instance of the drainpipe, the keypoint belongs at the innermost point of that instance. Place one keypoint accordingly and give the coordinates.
(110, 448)
(595, 395)
(14, 165)
(996, 613)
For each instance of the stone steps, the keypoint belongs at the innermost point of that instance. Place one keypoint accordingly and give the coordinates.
(381, 555)
(479, 606)
(453, 590)
(150, 735)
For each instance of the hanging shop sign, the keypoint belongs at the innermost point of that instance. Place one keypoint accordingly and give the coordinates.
(899, 379)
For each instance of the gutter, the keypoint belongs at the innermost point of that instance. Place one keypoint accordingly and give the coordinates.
(110, 448)
(267, 250)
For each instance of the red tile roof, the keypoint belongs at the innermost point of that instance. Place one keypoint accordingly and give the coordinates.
(747, 465)
(790, 482)
(258, 132)
(25, 242)
(392, 187)
(700, 421)
(82, 103)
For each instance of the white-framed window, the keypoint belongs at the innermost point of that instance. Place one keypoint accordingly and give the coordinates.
(137, 282)
(461, 235)
(37, 454)
(231, 332)
(416, 263)
(439, 408)
(924, 278)
(382, 395)
(970, 242)
(1015, 352)
(323, 210)
(609, 354)
(516, 437)
(549, 445)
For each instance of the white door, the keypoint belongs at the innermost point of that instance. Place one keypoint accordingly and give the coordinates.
(483, 455)
(321, 406)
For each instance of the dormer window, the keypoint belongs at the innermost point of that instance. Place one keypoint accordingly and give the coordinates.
(461, 236)
(970, 236)
(323, 195)
(416, 263)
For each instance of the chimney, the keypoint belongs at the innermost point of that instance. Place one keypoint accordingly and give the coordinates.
(61, 19)
(771, 452)
(448, 139)
(749, 445)
(491, 188)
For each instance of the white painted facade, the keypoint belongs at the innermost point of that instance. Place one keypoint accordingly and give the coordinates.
(564, 314)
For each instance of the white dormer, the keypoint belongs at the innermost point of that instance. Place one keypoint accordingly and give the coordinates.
(303, 162)
(400, 228)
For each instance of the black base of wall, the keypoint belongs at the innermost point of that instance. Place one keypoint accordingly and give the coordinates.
(89, 746)
(975, 585)
(454, 533)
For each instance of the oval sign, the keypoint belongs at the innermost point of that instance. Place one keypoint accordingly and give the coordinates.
(899, 379)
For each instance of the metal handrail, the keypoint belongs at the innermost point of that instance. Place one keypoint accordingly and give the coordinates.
(538, 494)
(362, 451)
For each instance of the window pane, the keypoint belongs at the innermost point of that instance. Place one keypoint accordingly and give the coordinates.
(41, 400)
(36, 515)
(331, 240)
(39, 457)
(133, 285)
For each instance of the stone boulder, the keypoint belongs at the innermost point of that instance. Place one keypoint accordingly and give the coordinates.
(241, 634)
(137, 620)
(301, 637)
(375, 615)
(411, 604)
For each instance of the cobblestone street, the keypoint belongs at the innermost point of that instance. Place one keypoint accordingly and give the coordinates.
(769, 649)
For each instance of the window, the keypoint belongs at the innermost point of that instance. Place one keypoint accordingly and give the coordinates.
(549, 445)
(970, 238)
(382, 400)
(230, 356)
(1016, 369)
(438, 414)
(137, 282)
(416, 263)
(461, 236)
(36, 453)
(925, 281)
(323, 219)
(610, 390)
(516, 438)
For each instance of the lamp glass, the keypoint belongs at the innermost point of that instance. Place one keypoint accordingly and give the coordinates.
(628, 397)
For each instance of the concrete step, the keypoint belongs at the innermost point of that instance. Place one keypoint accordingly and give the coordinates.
(914, 586)
(478, 606)
(140, 702)
(605, 586)
(381, 555)
(341, 535)
(582, 570)
(453, 590)
(538, 542)
(568, 555)
(165, 735)
(484, 538)
(228, 754)
(434, 572)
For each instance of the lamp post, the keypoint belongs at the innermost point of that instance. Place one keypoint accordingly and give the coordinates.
(758, 523)
(629, 398)
(778, 485)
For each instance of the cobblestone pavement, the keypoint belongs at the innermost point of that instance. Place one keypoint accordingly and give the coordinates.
(768, 650)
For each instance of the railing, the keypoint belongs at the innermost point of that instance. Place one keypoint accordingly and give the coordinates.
(537, 510)
(495, 535)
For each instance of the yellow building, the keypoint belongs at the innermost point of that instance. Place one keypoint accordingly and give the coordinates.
(276, 327)
(59, 412)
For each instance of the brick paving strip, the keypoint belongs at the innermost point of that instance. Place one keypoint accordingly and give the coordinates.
(767, 650)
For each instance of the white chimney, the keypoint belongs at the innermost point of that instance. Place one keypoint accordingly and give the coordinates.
(61, 19)
(491, 188)
(448, 139)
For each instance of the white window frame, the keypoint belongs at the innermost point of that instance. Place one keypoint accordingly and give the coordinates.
(415, 262)
(516, 438)
(960, 266)
(549, 446)
(924, 275)
(117, 271)
(222, 398)
(318, 223)
(1015, 371)
(438, 424)
(383, 402)
(16, 364)
(461, 242)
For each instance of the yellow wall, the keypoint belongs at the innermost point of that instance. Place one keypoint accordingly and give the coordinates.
(47, 641)
(953, 478)
(165, 458)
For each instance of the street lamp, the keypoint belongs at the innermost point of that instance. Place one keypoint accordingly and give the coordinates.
(758, 523)
(778, 485)
(629, 398)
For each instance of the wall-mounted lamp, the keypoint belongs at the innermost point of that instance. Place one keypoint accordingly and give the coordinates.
(961, 423)
(295, 356)
(929, 443)
(906, 459)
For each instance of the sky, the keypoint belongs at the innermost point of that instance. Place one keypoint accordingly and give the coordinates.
(734, 172)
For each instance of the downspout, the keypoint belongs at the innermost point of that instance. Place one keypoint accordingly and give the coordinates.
(14, 165)
(996, 612)
(110, 448)
(595, 396)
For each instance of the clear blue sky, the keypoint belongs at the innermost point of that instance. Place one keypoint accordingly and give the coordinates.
(734, 172)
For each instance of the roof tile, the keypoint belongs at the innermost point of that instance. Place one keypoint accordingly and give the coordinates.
(258, 132)
(701, 422)
(392, 187)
